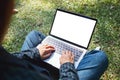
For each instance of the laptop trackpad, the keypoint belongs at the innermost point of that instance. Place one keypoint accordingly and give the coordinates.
(54, 60)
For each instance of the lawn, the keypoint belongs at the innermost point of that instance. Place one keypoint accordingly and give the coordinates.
(39, 14)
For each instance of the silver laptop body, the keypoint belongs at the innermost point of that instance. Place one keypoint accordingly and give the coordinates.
(71, 32)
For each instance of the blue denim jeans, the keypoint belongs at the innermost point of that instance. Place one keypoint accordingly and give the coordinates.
(91, 67)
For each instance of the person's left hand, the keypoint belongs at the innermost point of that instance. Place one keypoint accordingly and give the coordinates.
(67, 56)
(45, 50)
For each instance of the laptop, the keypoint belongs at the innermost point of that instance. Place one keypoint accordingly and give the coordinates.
(72, 32)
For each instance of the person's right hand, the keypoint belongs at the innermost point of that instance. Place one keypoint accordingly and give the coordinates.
(45, 50)
(66, 56)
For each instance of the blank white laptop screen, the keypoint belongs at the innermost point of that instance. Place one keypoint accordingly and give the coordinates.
(73, 28)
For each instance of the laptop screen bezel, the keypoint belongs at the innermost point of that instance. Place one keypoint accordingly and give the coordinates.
(76, 15)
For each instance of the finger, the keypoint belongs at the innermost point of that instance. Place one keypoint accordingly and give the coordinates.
(49, 50)
(72, 54)
(69, 53)
(66, 52)
(63, 52)
(49, 46)
(73, 57)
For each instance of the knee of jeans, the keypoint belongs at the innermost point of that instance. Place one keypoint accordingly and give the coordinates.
(32, 34)
(101, 57)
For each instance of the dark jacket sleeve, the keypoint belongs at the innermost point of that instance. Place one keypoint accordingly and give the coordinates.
(68, 72)
(32, 53)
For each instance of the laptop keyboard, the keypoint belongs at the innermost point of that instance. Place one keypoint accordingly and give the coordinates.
(60, 47)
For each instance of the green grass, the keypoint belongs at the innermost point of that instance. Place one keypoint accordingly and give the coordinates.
(38, 15)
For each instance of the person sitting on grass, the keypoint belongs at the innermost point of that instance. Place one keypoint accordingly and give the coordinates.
(28, 63)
